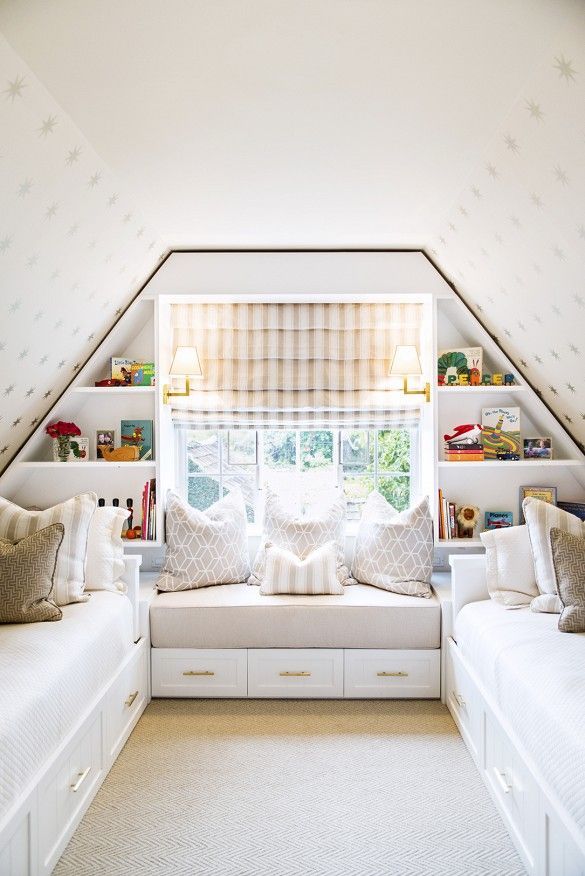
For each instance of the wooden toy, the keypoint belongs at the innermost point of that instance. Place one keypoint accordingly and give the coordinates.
(509, 380)
(441, 380)
(474, 377)
(119, 454)
(486, 380)
(452, 380)
(463, 380)
(497, 379)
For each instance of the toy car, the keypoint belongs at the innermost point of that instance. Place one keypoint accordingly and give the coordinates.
(507, 454)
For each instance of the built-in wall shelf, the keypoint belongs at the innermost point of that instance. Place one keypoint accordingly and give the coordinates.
(114, 390)
(141, 542)
(482, 390)
(459, 542)
(513, 463)
(89, 463)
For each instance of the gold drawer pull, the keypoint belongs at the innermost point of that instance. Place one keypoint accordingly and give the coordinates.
(198, 672)
(81, 777)
(393, 674)
(294, 674)
(131, 699)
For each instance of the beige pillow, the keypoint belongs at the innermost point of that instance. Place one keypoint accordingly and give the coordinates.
(75, 514)
(104, 563)
(27, 569)
(568, 553)
(510, 573)
(287, 573)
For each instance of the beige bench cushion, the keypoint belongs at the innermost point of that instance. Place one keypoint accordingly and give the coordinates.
(239, 616)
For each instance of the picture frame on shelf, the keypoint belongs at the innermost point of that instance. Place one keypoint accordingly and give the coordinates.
(104, 438)
(538, 448)
(545, 494)
(498, 519)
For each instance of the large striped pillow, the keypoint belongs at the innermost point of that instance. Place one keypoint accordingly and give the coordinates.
(75, 514)
(286, 573)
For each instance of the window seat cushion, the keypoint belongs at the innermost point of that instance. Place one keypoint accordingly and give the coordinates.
(238, 616)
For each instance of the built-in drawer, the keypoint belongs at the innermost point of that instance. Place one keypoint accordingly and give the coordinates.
(127, 699)
(295, 673)
(199, 673)
(66, 789)
(393, 674)
(464, 703)
(15, 849)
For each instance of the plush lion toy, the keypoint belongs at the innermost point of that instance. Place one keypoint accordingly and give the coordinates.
(467, 518)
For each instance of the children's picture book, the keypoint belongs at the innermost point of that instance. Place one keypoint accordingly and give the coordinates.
(462, 360)
(576, 508)
(142, 374)
(498, 519)
(138, 433)
(79, 451)
(121, 369)
(500, 433)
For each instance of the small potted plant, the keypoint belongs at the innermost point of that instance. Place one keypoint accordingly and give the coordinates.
(63, 433)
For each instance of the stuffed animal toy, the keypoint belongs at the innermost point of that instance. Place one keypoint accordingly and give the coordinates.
(467, 518)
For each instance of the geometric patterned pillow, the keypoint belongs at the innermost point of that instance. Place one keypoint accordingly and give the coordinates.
(26, 577)
(394, 551)
(205, 547)
(568, 552)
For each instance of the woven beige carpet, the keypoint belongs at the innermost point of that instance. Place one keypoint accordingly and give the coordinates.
(288, 788)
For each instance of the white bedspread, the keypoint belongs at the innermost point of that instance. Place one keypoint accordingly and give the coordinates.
(537, 676)
(49, 675)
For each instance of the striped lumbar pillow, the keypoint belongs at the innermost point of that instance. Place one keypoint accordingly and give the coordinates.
(287, 573)
(75, 514)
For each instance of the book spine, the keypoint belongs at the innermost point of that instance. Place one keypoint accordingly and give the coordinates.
(452, 520)
(446, 518)
(440, 509)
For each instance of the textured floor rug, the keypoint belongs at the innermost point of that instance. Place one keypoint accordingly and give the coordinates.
(288, 788)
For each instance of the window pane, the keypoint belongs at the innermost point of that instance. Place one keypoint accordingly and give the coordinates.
(202, 451)
(393, 450)
(396, 490)
(246, 482)
(355, 450)
(202, 492)
(356, 490)
(316, 449)
(280, 449)
(242, 447)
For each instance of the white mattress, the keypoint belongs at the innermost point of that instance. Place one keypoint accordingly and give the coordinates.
(49, 675)
(537, 676)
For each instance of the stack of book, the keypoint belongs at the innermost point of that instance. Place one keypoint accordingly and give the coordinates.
(464, 445)
(447, 518)
(149, 510)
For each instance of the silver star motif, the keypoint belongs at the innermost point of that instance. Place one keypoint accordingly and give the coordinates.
(73, 156)
(537, 318)
(14, 306)
(2, 346)
(47, 393)
(570, 387)
(537, 268)
(524, 363)
(499, 238)
(127, 217)
(14, 88)
(76, 330)
(553, 390)
(565, 68)
(515, 221)
(491, 170)
(441, 240)
(560, 175)
(452, 227)
(32, 260)
(574, 349)
(579, 300)
(77, 366)
(476, 192)
(555, 355)
(90, 337)
(511, 143)
(94, 179)
(519, 280)
(560, 253)
(23, 354)
(48, 126)
(581, 231)
(151, 245)
(51, 210)
(5, 244)
(485, 253)
(4, 449)
(92, 244)
(521, 326)
(24, 188)
(30, 391)
(58, 324)
(9, 389)
(141, 230)
(43, 359)
(34, 422)
(538, 359)
(56, 274)
(508, 333)
(556, 310)
(534, 110)
(536, 200)
(112, 199)
(16, 423)
(61, 363)
(73, 229)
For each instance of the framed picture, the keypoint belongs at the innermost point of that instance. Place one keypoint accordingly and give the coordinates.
(105, 437)
(537, 448)
(498, 519)
(462, 360)
(242, 447)
(545, 494)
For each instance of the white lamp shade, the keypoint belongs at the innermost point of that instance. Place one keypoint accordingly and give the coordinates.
(405, 361)
(186, 363)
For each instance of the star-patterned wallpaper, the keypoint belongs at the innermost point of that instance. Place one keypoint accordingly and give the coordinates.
(73, 250)
(513, 242)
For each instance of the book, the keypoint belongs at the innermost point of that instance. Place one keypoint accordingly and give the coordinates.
(452, 522)
(498, 519)
(120, 369)
(441, 518)
(464, 448)
(576, 508)
(142, 373)
(79, 451)
(148, 508)
(138, 433)
(464, 457)
(500, 432)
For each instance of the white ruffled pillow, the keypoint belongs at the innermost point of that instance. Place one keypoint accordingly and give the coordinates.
(104, 562)
(205, 547)
(511, 580)
(394, 550)
(287, 573)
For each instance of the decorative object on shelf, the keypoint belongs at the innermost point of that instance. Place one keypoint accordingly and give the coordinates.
(120, 454)
(458, 362)
(498, 519)
(576, 508)
(464, 445)
(142, 374)
(185, 364)
(62, 433)
(128, 523)
(78, 451)
(135, 532)
(405, 364)
(149, 510)
(500, 430)
(138, 434)
(120, 369)
(104, 438)
(538, 448)
(497, 379)
(545, 494)
(467, 519)
(108, 382)
(486, 379)
(509, 380)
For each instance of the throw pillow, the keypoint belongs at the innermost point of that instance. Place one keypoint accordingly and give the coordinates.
(75, 514)
(394, 551)
(205, 547)
(287, 573)
(540, 518)
(568, 552)
(27, 569)
(510, 573)
(104, 562)
(302, 535)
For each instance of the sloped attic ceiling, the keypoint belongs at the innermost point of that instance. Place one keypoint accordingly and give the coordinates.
(449, 125)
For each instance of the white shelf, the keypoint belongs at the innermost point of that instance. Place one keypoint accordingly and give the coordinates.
(90, 463)
(477, 390)
(114, 390)
(141, 542)
(459, 542)
(518, 463)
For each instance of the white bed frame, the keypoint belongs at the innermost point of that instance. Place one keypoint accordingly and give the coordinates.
(42, 820)
(546, 837)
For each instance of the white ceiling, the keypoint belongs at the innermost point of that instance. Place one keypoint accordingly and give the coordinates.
(308, 122)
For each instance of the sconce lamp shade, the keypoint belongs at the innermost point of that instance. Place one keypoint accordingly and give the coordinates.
(405, 362)
(186, 363)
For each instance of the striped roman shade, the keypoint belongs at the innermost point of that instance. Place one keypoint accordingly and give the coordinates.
(296, 363)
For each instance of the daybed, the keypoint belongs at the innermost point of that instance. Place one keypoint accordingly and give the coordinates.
(70, 693)
(516, 689)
